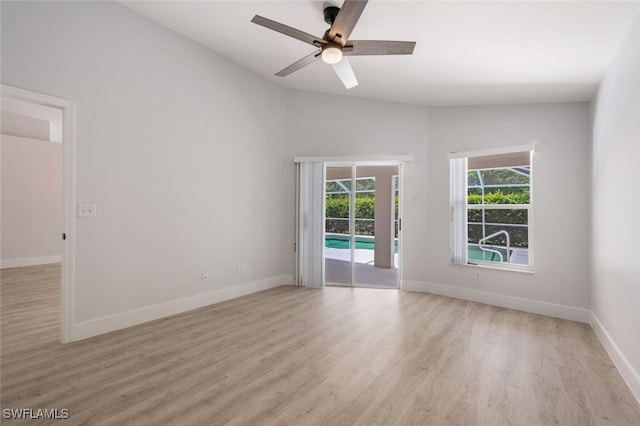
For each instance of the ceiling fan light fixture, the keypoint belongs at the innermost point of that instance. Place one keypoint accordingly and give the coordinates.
(331, 54)
(336, 42)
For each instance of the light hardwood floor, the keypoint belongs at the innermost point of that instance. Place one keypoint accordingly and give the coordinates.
(293, 356)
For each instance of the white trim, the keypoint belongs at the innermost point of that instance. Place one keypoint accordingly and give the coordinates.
(513, 267)
(296, 244)
(352, 225)
(494, 151)
(527, 305)
(628, 373)
(30, 261)
(531, 235)
(127, 319)
(377, 160)
(400, 230)
(459, 224)
(499, 207)
(67, 284)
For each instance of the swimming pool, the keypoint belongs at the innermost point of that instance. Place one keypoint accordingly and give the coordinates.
(364, 243)
(475, 253)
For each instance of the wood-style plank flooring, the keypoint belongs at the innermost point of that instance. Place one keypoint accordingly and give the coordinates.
(293, 356)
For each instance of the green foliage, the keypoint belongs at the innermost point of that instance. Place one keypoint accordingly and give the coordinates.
(497, 177)
(334, 187)
(365, 207)
(366, 184)
(339, 208)
(497, 220)
(519, 235)
(500, 196)
(513, 217)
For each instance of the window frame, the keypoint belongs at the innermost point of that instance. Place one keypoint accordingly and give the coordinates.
(460, 209)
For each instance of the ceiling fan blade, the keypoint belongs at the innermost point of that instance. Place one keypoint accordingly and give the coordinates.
(299, 64)
(378, 47)
(345, 73)
(345, 21)
(289, 31)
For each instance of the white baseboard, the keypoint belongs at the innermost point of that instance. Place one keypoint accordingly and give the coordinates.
(127, 319)
(30, 261)
(517, 303)
(628, 373)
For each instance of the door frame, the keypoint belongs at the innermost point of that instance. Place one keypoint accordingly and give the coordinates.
(67, 281)
(400, 162)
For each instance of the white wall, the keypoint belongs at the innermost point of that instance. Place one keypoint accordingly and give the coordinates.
(326, 125)
(561, 185)
(31, 201)
(615, 260)
(189, 160)
(181, 150)
(560, 195)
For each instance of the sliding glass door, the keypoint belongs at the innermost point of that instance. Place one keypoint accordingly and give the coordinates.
(360, 225)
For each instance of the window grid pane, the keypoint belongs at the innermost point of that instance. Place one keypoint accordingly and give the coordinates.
(498, 203)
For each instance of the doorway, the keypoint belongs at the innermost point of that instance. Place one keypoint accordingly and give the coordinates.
(47, 120)
(362, 225)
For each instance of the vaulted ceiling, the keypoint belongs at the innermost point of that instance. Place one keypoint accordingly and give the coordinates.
(467, 52)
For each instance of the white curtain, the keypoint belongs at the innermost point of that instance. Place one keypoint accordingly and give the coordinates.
(310, 217)
(458, 182)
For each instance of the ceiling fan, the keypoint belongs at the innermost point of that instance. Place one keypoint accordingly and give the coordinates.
(335, 45)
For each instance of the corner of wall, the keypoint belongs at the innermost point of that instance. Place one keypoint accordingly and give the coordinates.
(628, 373)
(517, 303)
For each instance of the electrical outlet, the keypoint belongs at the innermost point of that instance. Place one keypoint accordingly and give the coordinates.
(476, 275)
(87, 210)
(204, 277)
(239, 271)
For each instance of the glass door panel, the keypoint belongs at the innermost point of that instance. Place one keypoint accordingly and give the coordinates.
(375, 222)
(338, 234)
(365, 229)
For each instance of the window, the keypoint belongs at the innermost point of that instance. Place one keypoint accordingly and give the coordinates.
(491, 208)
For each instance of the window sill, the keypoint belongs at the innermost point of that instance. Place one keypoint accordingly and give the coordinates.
(507, 267)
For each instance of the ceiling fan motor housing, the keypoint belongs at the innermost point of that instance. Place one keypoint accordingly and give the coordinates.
(330, 14)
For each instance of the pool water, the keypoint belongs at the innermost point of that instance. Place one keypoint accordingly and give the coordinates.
(339, 243)
(475, 253)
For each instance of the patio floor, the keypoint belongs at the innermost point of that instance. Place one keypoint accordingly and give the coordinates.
(338, 272)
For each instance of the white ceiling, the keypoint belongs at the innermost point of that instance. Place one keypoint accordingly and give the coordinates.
(467, 52)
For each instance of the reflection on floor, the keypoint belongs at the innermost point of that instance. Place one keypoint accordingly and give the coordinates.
(338, 271)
